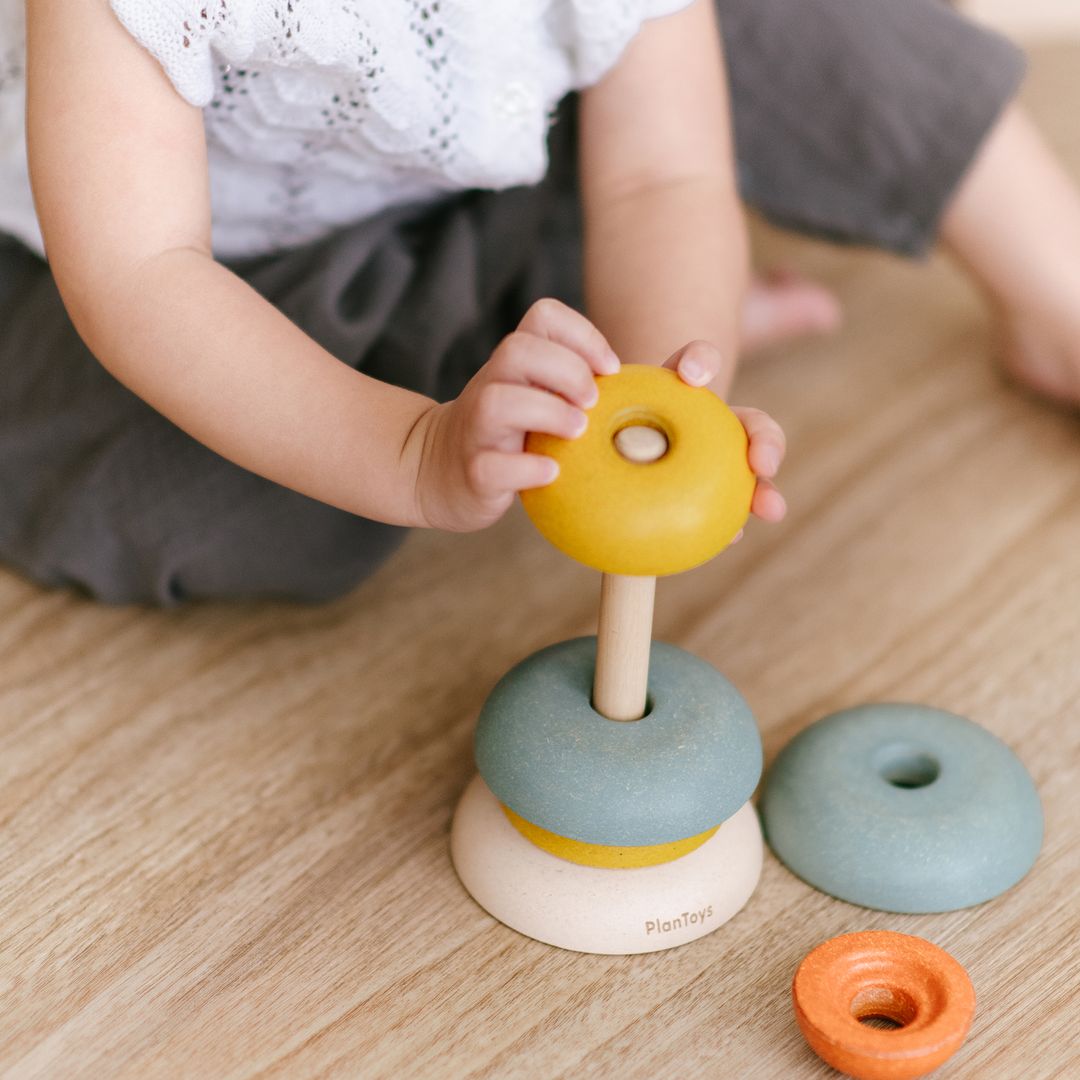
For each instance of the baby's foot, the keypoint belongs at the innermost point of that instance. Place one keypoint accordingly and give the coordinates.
(782, 305)
(1041, 349)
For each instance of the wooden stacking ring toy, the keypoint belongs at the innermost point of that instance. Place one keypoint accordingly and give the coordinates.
(609, 512)
(902, 808)
(611, 811)
(920, 995)
(597, 909)
(683, 768)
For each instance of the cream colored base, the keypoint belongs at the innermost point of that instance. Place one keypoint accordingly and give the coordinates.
(593, 910)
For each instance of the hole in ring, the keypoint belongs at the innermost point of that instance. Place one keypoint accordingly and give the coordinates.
(882, 1023)
(906, 766)
(887, 1008)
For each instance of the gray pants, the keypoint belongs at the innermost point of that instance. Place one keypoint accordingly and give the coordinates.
(854, 120)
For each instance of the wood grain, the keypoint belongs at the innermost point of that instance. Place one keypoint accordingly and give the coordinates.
(223, 831)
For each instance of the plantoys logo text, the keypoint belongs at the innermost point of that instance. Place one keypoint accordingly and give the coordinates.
(679, 922)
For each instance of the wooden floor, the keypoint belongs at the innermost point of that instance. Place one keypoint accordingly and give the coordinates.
(223, 832)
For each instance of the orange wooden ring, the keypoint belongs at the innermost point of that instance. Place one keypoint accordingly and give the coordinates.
(895, 977)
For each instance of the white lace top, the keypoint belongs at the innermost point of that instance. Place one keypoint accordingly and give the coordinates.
(320, 112)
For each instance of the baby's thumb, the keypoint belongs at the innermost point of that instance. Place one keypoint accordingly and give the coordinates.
(697, 362)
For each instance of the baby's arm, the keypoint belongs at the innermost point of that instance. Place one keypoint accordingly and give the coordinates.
(118, 163)
(665, 241)
(119, 169)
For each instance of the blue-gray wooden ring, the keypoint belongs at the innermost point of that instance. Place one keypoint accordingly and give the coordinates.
(902, 808)
(684, 767)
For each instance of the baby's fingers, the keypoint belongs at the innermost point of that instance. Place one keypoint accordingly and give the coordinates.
(493, 473)
(532, 361)
(767, 448)
(505, 412)
(767, 442)
(768, 504)
(698, 362)
(552, 319)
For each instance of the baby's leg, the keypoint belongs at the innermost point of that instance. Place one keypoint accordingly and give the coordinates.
(100, 492)
(855, 120)
(1015, 222)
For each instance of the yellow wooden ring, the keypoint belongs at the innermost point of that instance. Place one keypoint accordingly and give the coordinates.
(663, 517)
(615, 858)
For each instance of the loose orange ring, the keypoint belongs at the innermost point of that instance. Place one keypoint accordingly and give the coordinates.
(882, 975)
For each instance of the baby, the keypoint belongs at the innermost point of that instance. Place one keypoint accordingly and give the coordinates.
(412, 203)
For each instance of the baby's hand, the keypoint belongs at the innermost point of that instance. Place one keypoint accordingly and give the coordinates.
(698, 363)
(539, 378)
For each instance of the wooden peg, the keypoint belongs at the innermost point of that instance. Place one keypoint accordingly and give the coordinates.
(641, 443)
(624, 636)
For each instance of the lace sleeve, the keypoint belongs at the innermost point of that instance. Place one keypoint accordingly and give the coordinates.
(179, 34)
(652, 9)
(595, 32)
